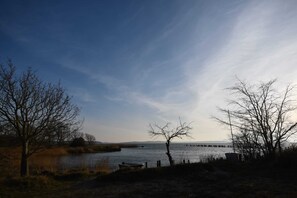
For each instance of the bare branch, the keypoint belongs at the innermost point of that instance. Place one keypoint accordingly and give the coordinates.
(181, 130)
(261, 115)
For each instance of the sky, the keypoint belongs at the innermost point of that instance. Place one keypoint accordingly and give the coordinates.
(129, 63)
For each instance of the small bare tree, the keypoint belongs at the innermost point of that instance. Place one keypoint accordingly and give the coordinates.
(180, 131)
(90, 139)
(31, 108)
(261, 116)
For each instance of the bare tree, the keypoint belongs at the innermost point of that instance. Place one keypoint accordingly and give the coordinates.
(31, 107)
(77, 134)
(90, 138)
(180, 131)
(61, 133)
(261, 115)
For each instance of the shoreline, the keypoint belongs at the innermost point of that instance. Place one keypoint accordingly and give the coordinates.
(219, 178)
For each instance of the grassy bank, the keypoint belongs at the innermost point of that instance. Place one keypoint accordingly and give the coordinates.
(215, 179)
(218, 178)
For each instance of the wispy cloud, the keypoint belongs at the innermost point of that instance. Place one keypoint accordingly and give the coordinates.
(83, 95)
(259, 46)
(169, 105)
(257, 49)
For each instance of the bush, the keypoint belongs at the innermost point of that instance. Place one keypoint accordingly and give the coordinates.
(76, 142)
(288, 158)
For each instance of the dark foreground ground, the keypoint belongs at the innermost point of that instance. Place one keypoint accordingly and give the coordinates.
(215, 179)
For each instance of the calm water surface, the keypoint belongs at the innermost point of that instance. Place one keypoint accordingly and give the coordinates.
(149, 153)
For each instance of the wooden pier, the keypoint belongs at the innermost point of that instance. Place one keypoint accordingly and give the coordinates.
(210, 145)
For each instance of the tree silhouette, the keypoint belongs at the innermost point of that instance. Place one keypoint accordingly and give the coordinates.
(31, 107)
(90, 138)
(261, 115)
(180, 131)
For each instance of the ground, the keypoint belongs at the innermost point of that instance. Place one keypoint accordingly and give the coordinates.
(219, 179)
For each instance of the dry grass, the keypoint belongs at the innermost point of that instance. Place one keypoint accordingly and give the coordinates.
(53, 151)
(46, 161)
(99, 167)
(102, 166)
(9, 161)
(39, 164)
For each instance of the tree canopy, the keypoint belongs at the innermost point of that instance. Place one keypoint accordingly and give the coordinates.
(32, 109)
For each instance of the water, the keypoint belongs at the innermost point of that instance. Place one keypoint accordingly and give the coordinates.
(149, 153)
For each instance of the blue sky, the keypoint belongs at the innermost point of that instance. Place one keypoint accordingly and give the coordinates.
(128, 63)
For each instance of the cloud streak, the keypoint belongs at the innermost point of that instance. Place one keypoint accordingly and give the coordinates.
(255, 41)
(255, 50)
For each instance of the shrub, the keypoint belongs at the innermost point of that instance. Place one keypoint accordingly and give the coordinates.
(76, 142)
(288, 158)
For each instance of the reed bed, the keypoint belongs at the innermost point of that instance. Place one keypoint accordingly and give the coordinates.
(47, 161)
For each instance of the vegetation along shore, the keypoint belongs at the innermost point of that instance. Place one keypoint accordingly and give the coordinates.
(215, 178)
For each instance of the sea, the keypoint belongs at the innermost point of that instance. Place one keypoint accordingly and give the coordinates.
(150, 153)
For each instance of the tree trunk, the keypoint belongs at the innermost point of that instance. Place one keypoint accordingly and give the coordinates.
(171, 162)
(278, 147)
(24, 160)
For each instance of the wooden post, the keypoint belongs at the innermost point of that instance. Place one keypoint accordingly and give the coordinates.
(231, 131)
(145, 164)
(188, 161)
(159, 163)
(184, 161)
